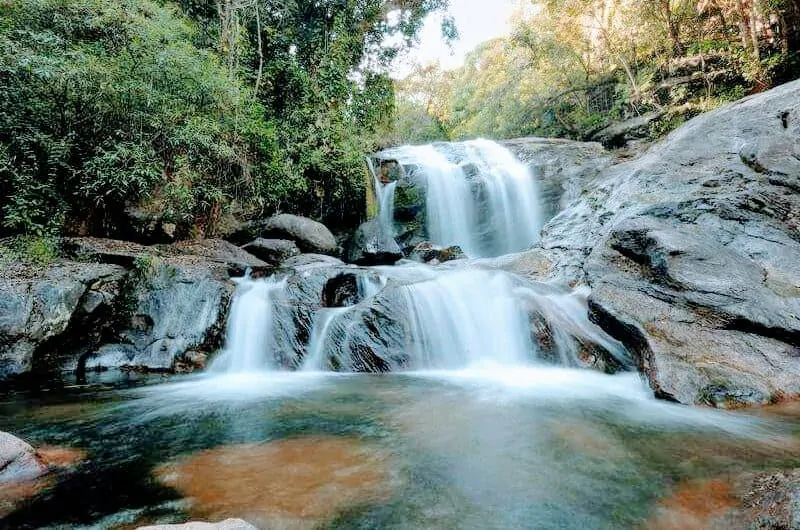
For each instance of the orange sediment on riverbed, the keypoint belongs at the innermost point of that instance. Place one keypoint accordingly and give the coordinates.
(291, 483)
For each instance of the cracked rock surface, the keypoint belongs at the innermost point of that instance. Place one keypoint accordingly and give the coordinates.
(693, 254)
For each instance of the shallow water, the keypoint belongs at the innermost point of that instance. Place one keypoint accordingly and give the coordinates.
(482, 448)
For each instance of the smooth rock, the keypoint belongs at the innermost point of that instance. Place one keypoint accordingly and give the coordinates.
(18, 460)
(309, 235)
(273, 251)
(371, 245)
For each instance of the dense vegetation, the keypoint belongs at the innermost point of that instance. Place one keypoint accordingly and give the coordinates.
(571, 67)
(191, 111)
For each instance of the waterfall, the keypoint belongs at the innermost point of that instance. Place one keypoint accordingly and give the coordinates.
(420, 317)
(251, 334)
(477, 196)
(463, 317)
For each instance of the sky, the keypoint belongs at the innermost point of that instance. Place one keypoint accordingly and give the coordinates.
(477, 22)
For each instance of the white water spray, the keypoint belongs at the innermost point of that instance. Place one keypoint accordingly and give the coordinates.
(477, 194)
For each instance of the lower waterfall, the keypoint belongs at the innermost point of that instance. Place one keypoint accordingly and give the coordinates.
(411, 317)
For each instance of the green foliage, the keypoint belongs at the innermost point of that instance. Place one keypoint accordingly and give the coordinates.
(572, 67)
(191, 111)
(34, 250)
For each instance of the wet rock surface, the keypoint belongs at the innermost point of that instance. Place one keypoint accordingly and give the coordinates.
(691, 252)
(371, 245)
(116, 304)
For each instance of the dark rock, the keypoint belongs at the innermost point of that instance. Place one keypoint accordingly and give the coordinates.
(428, 252)
(691, 252)
(273, 251)
(173, 308)
(309, 235)
(53, 313)
(371, 245)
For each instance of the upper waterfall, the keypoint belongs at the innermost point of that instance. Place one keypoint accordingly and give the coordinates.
(477, 195)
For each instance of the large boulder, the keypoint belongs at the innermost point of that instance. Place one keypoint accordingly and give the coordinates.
(309, 235)
(691, 252)
(372, 245)
(273, 251)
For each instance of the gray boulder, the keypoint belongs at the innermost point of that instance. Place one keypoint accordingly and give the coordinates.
(309, 235)
(691, 251)
(371, 245)
(273, 251)
(172, 307)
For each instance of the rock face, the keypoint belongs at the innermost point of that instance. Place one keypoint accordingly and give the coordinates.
(309, 235)
(692, 253)
(562, 168)
(61, 310)
(154, 308)
(371, 245)
(18, 460)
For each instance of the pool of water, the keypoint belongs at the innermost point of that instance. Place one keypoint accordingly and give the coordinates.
(476, 449)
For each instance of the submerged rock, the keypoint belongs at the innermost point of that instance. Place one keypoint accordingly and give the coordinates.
(691, 252)
(18, 460)
(295, 483)
(227, 524)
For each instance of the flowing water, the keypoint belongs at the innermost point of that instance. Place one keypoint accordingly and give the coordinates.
(477, 196)
(489, 419)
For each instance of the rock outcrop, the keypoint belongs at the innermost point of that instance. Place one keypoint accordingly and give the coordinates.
(562, 168)
(692, 253)
(47, 314)
(309, 235)
(372, 245)
(116, 304)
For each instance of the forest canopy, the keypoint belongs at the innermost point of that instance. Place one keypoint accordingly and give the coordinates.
(192, 110)
(572, 67)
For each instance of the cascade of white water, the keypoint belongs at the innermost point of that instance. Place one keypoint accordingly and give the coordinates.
(477, 196)
(462, 317)
(250, 335)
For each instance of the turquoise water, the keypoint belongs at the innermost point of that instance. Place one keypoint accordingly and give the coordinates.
(476, 449)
